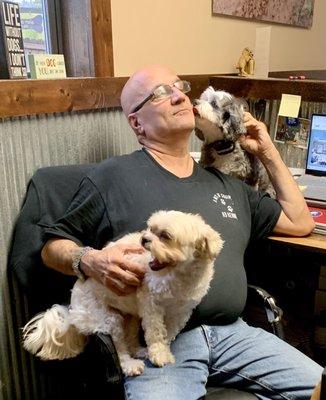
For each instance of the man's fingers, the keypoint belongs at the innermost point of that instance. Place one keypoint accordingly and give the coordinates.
(117, 289)
(136, 268)
(133, 248)
(126, 277)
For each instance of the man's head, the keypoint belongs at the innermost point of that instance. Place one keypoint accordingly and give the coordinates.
(158, 118)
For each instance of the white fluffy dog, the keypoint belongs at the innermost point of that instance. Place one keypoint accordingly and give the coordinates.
(219, 124)
(179, 259)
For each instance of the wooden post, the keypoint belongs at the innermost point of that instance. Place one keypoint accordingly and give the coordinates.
(87, 37)
(102, 37)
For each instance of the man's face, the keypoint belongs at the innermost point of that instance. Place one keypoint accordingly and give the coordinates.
(160, 119)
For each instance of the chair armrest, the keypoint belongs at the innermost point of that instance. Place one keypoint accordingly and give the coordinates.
(273, 312)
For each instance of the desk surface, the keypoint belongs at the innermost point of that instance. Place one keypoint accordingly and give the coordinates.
(314, 242)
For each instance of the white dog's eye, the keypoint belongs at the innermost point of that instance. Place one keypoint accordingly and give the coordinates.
(165, 235)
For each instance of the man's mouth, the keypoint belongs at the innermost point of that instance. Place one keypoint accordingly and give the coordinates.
(184, 110)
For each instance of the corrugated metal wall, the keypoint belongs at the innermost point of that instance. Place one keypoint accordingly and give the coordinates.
(25, 145)
(75, 138)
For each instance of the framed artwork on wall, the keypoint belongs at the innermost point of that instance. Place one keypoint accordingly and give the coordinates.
(290, 12)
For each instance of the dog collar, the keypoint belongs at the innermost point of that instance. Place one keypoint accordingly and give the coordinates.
(223, 146)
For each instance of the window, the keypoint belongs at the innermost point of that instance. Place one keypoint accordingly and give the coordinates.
(40, 20)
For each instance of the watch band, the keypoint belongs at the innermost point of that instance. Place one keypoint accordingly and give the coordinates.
(76, 262)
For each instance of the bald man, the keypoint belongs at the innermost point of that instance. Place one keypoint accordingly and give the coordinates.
(120, 194)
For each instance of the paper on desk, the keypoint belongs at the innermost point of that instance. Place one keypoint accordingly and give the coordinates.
(261, 52)
(290, 105)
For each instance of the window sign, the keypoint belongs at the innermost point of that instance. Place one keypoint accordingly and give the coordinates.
(12, 57)
(35, 25)
(33, 20)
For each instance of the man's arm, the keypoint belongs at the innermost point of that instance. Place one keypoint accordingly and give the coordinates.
(295, 218)
(108, 266)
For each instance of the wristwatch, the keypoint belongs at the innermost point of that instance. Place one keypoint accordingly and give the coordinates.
(76, 262)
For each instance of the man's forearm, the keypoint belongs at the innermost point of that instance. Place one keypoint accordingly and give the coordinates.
(58, 254)
(288, 194)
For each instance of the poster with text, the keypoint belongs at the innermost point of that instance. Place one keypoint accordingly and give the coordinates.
(12, 56)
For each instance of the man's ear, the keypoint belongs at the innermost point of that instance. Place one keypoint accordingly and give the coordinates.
(134, 123)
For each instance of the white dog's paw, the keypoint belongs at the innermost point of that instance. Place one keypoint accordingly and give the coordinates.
(160, 354)
(132, 367)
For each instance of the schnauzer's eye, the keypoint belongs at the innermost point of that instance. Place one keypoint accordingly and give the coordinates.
(165, 235)
(214, 104)
(226, 116)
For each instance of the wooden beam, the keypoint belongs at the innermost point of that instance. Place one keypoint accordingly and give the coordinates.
(31, 97)
(102, 37)
(316, 74)
(271, 88)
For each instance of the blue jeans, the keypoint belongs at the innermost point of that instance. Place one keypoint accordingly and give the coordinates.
(235, 355)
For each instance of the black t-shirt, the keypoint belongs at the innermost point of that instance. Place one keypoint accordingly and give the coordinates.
(120, 194)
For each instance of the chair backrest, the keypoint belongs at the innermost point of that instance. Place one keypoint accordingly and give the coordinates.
(49, 194)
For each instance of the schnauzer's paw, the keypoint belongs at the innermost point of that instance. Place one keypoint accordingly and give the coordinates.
(160, 354)
(132, 367)
(141, 352)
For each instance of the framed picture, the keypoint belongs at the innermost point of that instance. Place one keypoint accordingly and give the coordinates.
(293, 131)
(290, 12)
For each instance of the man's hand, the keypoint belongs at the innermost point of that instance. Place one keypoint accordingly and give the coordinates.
(257, 140)
(111, 267)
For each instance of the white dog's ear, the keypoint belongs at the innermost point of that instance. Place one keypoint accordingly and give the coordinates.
(210, 245)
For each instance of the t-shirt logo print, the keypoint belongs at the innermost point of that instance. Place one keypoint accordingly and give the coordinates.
(225, 205)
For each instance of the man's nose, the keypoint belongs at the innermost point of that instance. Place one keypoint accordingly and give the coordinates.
(177, 96)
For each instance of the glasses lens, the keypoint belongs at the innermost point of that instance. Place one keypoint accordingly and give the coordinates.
(162, 91)
(184, 86)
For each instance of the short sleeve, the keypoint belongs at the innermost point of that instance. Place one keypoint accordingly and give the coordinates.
(85, 221)
(265, 213)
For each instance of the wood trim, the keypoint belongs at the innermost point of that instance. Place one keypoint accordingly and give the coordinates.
(102, 37)
(317, 74)
(30, 97)
(271, 88)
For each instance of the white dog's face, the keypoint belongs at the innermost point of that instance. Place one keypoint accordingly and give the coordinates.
(218, 116)
(176, 238)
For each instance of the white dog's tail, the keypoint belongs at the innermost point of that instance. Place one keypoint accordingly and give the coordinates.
(50, 335)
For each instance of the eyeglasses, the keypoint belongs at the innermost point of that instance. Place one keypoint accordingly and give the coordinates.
(163, 92)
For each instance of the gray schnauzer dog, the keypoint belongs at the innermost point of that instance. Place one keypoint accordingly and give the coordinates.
(219, 124)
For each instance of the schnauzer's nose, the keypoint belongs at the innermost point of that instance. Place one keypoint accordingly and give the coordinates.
(144, 241)
(226, 116)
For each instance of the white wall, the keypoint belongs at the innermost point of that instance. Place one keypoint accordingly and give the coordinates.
(186, 36)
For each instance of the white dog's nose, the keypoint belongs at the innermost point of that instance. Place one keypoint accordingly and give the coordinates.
(144, 241)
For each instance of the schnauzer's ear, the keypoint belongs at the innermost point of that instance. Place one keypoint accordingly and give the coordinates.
(209, 246)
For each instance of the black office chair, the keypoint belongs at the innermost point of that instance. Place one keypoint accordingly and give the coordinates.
(95, 373)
